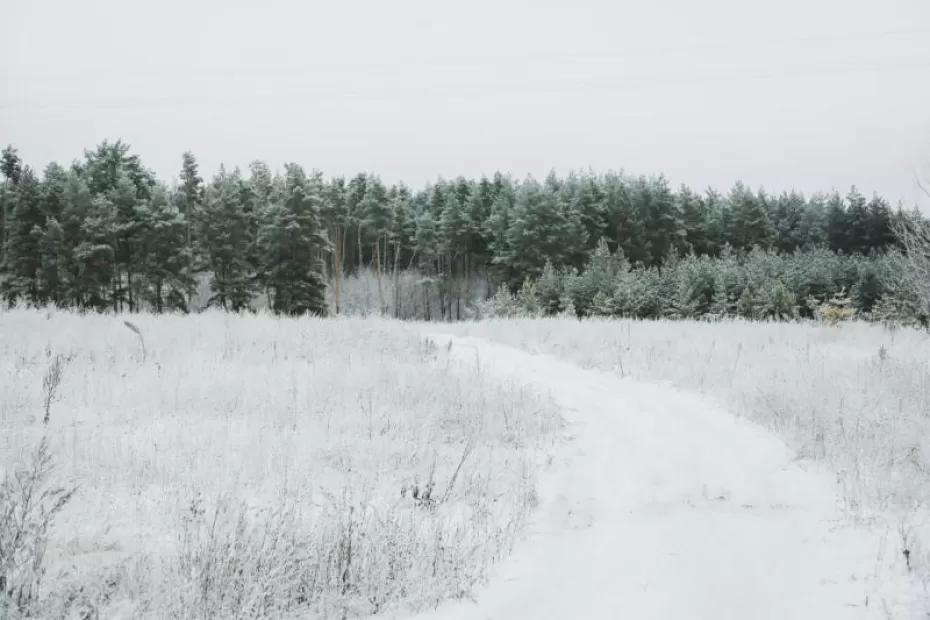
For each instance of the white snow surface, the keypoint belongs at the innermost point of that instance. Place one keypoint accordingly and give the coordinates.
(663, 506)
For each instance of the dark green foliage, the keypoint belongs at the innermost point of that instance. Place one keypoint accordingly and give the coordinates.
(163, 256)
(760, 285)
(104, 234)
(22, 257)
(226, 232)
(291, 243)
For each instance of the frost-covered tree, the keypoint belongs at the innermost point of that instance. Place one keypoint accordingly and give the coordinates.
(226, 233)
(292, 244)
(22, 258)
(749, 225)
(164, 258)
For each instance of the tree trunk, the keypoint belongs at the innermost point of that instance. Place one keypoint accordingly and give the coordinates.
(396, 278)
(377, 260)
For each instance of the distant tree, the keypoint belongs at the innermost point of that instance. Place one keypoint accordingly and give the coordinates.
(292, 243)
(660, 218)
(538, 232)
(11, 167)
(53, 261)
(857, 218)
(401, 235)
(164, 256)
(104, 167)
(749, 224)
(22, 257)
(226, 233)
(495, 229)
(335, 214)
(695, 221)
(624, 226)
(880, 230)
(190, 195)
(814, 222)
(837, 227)
(374, 215)
(78, 286)
(788, 222)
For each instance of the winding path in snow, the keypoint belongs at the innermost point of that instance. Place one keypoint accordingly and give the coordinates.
(664, 507)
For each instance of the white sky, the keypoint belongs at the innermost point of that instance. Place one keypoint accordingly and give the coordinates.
(809, 94)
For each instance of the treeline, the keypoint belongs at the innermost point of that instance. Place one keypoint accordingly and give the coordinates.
(104, 233)
(759, 285)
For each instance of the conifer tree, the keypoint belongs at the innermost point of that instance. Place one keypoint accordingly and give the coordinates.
(749, 224)
(11, 168)
(335, 214)
(291, 244)
(76, 209)
(226, 233)
(164, 259)
(189, 195)
(837, 228)
(857, 218)
(22, 257)
(694, 220)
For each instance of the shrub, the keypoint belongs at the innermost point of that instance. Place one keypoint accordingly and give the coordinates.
(28, 505)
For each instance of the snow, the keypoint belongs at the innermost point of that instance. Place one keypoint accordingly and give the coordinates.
(664, 506)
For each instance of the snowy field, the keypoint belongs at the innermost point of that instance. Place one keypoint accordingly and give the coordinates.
(240, 466)
(236, 466)
(849, 402)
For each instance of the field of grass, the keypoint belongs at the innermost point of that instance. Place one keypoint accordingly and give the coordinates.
(254, 466)
(855, 396)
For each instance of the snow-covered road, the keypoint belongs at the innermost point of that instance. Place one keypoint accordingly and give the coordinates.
(663, 506)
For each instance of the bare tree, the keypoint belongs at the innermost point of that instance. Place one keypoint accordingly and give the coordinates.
(913, 232)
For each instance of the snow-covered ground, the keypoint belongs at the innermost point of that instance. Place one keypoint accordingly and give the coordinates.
(257, 465)
(663, 506)
(268, 465)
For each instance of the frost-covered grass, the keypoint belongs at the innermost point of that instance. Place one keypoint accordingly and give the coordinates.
(256, 466)
(856, 396)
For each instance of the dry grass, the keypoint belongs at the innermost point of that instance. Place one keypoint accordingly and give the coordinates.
(250, 466)
(855, 396)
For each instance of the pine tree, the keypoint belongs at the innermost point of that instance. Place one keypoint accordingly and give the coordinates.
(401, 235)
(164, 256)
(335, 214)
(494, 227)
(104, 167)
(880, 231)
(659, 217)
(694, 218)
(539, 231)
(837, 227)
(95, 257)
(749, 224)
(623, 221)
(788, 214)
(11, 168)
(814, 222)
(76, 208)
(374, 215)
(22, 258)
(190, 195)
(857, 218)
(226, 234)
(292, 243)
(479, 206)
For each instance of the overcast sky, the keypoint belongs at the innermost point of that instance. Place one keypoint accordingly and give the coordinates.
(806, 94)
